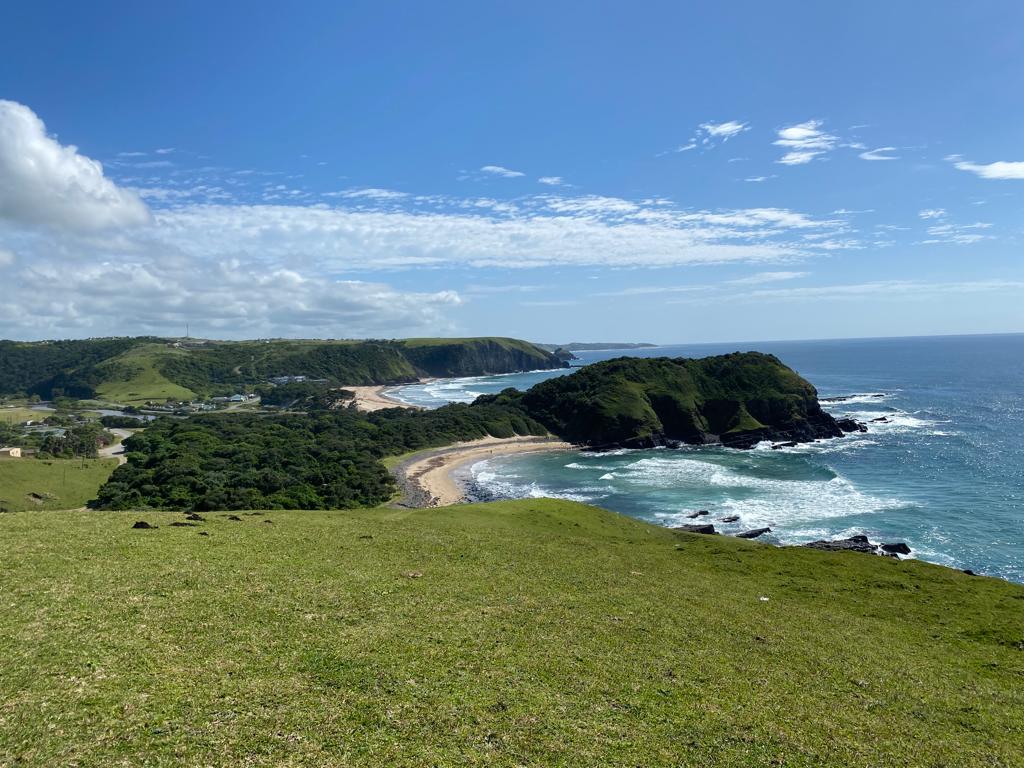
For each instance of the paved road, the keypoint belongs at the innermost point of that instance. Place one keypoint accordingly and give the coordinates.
(116, 451)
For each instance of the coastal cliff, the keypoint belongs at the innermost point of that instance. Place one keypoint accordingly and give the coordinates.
(736, 400)
(477, 356)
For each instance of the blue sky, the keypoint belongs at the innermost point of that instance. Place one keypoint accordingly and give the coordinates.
(554, 171)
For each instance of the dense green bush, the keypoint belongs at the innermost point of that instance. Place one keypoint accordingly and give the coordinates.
(79, 441)
(121, 422)
(58, 368)
(320, 460)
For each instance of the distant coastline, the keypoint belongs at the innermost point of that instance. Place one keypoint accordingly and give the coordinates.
(596, 346)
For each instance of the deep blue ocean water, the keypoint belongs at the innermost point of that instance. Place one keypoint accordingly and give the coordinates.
(946, 474)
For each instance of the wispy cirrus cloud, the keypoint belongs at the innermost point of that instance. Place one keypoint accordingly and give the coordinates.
(768, 277)
(893, 289)
(370, 193)
(498, 170)
(957, 234)
(882, 153)
(552, 181)
(804, 142)
(709, 132)
(708, 135)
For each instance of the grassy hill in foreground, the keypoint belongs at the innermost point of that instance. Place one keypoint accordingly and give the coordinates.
(515, 633)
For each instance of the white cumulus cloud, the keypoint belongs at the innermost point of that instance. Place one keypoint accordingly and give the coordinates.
(45, 183)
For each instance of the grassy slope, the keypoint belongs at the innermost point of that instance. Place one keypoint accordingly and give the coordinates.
(540, 633)
(502, 341)
(135, 377)
(19, 415)
(71, 482)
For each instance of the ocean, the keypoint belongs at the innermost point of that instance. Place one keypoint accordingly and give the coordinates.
(944, 473)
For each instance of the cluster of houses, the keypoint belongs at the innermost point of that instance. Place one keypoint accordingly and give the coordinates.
(237, 398)
(197, 406)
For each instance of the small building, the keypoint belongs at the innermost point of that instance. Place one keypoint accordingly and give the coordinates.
(10, 453)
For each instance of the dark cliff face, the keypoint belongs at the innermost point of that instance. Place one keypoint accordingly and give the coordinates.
(736, 400)
(478, 357)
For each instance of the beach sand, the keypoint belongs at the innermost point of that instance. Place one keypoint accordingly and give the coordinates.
(427, 477)
(374, 399)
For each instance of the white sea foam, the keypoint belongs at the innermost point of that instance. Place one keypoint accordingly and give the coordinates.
(860, 397)
(896, 421)
(852, 441)
(758, 501)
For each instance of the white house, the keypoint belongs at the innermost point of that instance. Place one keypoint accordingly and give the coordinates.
(10, 453)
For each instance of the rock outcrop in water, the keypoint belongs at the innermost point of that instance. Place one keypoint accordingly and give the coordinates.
(861, 544)
(736, 400)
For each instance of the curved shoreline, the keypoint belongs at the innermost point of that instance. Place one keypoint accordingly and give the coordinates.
(375, 398)
(426, 478)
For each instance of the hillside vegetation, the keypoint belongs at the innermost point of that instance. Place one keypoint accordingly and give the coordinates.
(139, 369)
(517, 633)
(736, 399)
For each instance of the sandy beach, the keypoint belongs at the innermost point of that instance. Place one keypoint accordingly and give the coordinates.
(426, 478)
(374, 399)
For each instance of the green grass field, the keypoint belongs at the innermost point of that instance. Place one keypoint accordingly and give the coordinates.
(138, 380)
(516, 633)
(19, 415)
(48, 484)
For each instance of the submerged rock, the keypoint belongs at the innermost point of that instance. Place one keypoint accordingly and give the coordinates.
(753, 534)
(729, 519)
(789, 444)
(899, 547)
(698, 513)
(851, 425)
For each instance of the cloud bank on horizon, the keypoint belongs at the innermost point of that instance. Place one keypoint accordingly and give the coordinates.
(724, 219)
(277, 265)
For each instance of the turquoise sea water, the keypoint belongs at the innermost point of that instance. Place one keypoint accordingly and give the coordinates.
(946, 474)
